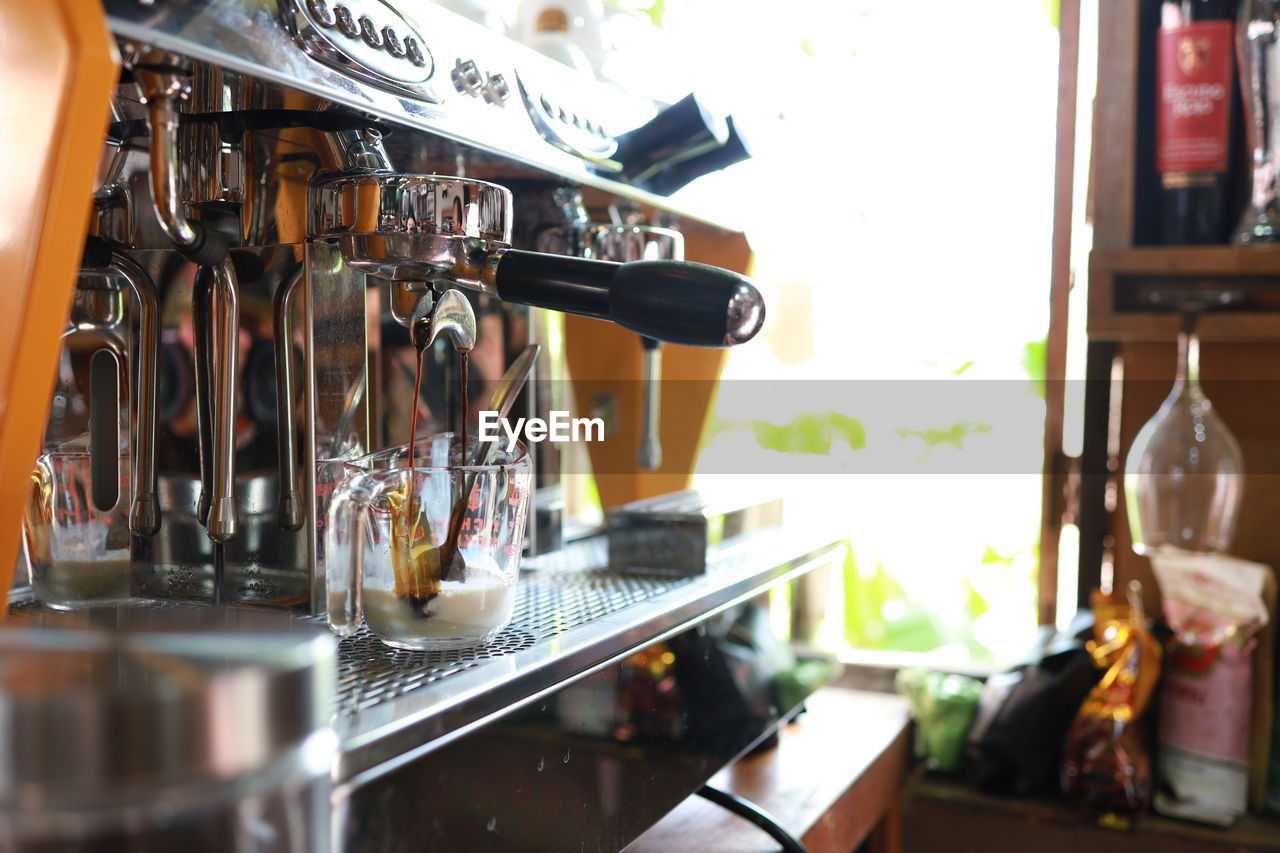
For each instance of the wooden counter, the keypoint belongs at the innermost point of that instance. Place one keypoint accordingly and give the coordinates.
(833, 781)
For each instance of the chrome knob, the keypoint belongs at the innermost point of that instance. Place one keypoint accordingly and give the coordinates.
(466, 77)
(496, 90)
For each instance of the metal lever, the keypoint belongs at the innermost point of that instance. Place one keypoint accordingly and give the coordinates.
(222, 522)
(202, 332)
(650, 456)
(289, 508)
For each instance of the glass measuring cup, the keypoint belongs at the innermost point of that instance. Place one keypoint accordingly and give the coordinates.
(387, 547)
(78, 548)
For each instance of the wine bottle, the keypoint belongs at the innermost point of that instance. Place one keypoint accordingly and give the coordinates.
(1195, 94)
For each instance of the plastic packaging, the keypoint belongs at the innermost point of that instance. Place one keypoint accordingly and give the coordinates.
(1215, 607)
(943, 706)
(1106, 761)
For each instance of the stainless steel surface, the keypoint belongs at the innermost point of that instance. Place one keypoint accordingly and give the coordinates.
(366, 39)
(453, 318)
(163, 87)
(290, 511)
(587, 141)
(359, 149)
(573, 615)
(420, 319)
(222, 522)
(412, 227)
(144, 516)
(177, 675)
(650, 454)
(202, 354)
(254, 37)
(411, 301)
(174, 728)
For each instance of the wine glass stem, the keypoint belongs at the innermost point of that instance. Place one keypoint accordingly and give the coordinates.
(1188, 351)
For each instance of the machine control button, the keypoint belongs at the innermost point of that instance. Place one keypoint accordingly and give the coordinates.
(466, 77)
(346, 24)
(496, 90)
(321, 12)
(370, 33)
(414, 51)
(391, 42)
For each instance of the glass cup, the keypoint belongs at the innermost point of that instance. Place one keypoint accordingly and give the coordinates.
(428, 555)
(78, 552)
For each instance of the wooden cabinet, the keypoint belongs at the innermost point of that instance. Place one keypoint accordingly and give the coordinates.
(1104, 182)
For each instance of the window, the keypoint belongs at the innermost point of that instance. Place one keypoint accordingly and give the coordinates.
(901, 213)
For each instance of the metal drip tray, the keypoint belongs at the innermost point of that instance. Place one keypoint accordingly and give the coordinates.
(573, 615)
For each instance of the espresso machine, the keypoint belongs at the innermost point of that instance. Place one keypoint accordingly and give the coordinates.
(282, 187)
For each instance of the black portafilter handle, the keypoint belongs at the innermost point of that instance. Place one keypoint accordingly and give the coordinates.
(679, 302)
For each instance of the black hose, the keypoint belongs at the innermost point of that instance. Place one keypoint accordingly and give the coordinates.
(749, 811)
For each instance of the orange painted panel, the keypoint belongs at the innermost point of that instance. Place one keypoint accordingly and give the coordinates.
(57, 69)
(606, 361)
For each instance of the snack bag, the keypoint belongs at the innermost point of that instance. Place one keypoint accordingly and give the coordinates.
(1106, 763)
(943, 706)
(1215, 607)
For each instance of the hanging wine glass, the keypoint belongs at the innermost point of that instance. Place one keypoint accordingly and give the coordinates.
(1183, 477)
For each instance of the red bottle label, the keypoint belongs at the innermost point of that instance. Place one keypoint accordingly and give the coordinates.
(1193, 98)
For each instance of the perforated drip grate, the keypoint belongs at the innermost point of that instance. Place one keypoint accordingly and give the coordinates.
(562, 591)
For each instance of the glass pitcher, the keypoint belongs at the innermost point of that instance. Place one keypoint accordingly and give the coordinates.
(78, 545)
(428, 555)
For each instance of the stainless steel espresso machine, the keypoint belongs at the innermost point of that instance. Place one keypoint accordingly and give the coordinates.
(284, 185)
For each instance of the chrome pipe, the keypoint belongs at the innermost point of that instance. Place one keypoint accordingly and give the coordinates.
(650, 455)
(162, 89)
(202, 334)
(222, 522)
(144, 516)
(289, 510)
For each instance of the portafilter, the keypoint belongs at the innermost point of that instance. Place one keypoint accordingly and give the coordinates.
(415, 228)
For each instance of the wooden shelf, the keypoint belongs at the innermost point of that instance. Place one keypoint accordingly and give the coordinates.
(1119, 277)
(943, 814)
(1213, 263)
